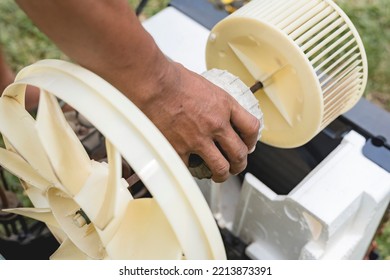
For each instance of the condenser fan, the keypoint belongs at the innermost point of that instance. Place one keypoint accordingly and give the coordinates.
(85, 203)
(306, 54)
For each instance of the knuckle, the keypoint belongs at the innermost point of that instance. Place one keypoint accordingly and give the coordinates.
(254, 125)
(240, 155)
(197, 144)
(239, 162)
(219, 124)
(221, 171)
(235, 169)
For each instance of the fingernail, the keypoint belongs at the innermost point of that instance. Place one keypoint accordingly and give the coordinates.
(252, 150)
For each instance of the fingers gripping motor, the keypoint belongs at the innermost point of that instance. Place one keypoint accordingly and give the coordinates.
(244, 96)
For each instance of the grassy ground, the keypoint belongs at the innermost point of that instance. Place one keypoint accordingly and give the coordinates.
(372, 19)
(24, 44)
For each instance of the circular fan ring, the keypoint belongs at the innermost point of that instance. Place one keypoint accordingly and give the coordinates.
(85, 203)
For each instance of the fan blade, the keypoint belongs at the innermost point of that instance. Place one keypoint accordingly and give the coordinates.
(68, 251)
(41, 214)
(20, 168)
(36, 196)
(18, 127)
(144, 234)
(107, 207)
(67, 155)
(98, 187)
(75, 224)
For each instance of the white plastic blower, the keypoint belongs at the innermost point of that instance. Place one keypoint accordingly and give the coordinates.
(307, 55)
(86, 204)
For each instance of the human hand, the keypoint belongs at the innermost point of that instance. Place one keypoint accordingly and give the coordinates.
(200, 118)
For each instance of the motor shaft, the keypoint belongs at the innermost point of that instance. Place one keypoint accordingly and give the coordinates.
(255, 87)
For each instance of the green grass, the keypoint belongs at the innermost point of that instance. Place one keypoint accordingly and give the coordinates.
(24, 44)
(372, 19)
(383, 241)
(21, 41)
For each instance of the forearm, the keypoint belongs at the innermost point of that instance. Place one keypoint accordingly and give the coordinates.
(118, 50)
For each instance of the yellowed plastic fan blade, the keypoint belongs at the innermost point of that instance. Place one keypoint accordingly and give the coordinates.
(103, 192)
(145, 240)
(18, 127)
(72, 164)
(37, 196)
(68, 251)
(18, 166)
(41, 214)
(98, 217)
(114, 175)
(71, 219)
(307, 54)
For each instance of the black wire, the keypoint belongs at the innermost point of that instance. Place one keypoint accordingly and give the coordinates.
(140, 7)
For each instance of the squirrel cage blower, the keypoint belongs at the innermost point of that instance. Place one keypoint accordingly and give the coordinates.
(303, 58)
